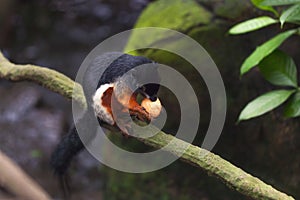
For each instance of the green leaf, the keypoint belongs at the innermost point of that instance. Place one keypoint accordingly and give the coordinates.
(264, 103)
(279, 69)
(252, 24)
(292, 109)
(257, 3)
(290, 15)
(264, 50)
(278, 2)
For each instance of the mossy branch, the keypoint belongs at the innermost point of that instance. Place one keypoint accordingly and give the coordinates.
(48, 78)
(213, 164)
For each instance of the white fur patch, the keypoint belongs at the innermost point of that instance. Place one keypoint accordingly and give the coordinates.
(99, 109)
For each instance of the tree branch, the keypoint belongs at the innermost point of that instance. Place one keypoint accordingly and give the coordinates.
(45, 77)
(213, 164)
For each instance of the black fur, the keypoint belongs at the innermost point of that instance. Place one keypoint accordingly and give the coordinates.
(71, 145)
(120, 66)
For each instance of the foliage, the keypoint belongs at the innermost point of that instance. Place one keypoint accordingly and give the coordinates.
(275, 66)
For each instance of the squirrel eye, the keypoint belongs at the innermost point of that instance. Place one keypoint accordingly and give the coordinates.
(153, 98)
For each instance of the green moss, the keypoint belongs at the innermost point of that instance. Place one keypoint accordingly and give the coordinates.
(174, 14)
(173, 182)
(146, 186)
(180, 15)
(231, 9)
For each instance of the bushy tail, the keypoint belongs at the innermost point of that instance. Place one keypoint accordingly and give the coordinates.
(67, 148)
(70, 146)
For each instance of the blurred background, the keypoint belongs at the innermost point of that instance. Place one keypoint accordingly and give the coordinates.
(59, 34)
